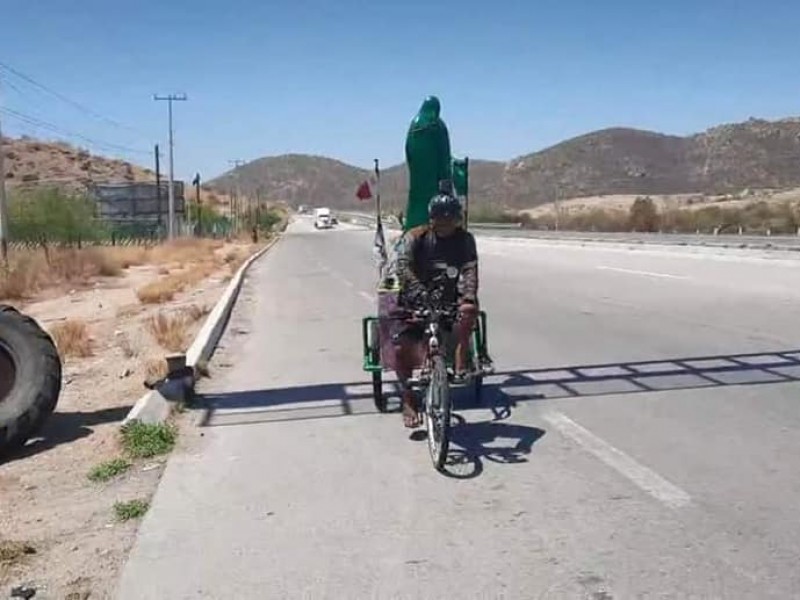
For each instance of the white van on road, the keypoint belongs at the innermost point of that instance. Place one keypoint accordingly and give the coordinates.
(322, 218)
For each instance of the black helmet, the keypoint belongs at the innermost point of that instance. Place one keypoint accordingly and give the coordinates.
(444, 206)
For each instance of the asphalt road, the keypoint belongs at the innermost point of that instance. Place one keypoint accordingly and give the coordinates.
(642, 439)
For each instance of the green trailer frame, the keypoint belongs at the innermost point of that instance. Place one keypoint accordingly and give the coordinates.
(478, 357)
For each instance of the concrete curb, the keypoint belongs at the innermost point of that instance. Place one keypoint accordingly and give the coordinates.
(206, 340)
(153, 407)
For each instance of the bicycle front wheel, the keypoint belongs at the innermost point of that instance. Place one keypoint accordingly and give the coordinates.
(437, 412)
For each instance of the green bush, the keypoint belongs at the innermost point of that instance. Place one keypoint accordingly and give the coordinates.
(643, 215)
(53, 215)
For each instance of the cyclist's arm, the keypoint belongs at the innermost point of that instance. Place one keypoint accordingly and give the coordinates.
(411, 285)
(469, 272)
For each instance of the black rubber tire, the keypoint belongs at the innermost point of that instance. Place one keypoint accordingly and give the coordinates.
(377, 391)
(439, 386)
(30, 368)
(377, 376)
(477, 388)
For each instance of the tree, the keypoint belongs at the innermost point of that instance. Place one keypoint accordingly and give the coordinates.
(643, 215)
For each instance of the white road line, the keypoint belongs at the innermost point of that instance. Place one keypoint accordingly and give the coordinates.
(648, 480)
(368, 297)
(645, 273)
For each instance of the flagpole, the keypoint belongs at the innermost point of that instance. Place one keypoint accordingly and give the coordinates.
(466, 192)
(380, 241)
(378, 189)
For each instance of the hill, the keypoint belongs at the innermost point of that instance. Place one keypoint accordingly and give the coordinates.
(31, 161)
(317, 180)
(756, 154)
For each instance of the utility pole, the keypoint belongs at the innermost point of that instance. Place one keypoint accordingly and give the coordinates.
(198, 207)
(170, 99)
(158, 188)
(238, 193)
(556, 199)
(3, 202)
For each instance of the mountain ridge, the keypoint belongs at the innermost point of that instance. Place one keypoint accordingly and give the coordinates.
(726, 158)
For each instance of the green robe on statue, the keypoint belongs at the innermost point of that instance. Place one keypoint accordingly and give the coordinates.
(429, 161)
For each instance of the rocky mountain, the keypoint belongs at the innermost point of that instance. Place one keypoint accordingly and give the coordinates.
(31, 161)
(755, 154)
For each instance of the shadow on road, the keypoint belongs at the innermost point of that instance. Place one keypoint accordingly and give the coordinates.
(473, 443)
(324, 401)
(65, 427)
(505, 389)
(669, 374)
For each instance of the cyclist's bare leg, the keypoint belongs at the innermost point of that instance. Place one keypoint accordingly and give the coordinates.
(463, 329)
(410, 354)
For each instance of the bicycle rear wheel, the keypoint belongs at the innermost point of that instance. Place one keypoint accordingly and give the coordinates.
(437, 412)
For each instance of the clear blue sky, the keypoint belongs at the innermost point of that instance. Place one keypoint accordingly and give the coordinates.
(343, 78)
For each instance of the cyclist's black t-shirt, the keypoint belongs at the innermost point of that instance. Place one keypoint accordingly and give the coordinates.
(423, 255)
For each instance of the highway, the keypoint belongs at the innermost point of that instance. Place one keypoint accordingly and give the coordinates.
(641, 438)
(782, 242)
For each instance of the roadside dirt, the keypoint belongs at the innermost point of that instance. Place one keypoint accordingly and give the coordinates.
(690, 202)
(58, 533)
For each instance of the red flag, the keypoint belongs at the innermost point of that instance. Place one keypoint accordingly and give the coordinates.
(363, 192)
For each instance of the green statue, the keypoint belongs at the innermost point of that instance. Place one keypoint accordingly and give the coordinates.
(429, 162)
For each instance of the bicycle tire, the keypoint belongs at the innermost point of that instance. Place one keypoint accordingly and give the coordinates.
(437, 412)
(477, 389)
(378, 397)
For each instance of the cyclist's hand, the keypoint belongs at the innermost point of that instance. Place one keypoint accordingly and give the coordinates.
(467, 309)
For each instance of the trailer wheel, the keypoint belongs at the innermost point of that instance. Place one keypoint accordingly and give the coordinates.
(30, 377)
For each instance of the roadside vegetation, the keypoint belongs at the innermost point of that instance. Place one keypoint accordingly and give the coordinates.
(143, 440)
(644, 215)
(133, 509)
(57, 241)
(72, 338)
(108, 470)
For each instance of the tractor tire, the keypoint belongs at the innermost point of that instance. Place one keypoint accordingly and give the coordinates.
(30, 378)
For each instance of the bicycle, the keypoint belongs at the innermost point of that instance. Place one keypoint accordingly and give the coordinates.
(435, 379)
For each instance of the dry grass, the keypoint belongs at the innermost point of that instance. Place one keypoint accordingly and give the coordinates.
(130, 256)
(31, 271)
(13, 552)
(171, 331)
(72, 338)
(164, 289)
(159, 291)
(194, 312)
(155, 369)
(129, 310)
(184, 251)
(199, 255)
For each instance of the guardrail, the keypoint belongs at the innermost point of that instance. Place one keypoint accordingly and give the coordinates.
(515, 230)
(779, 242)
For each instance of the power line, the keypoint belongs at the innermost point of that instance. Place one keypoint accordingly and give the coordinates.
(77, 105)
(36, 122)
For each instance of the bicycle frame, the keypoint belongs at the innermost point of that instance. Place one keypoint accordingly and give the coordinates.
(434, 342)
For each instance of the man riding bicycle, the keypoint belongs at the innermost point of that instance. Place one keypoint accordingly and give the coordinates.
(424, 254)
